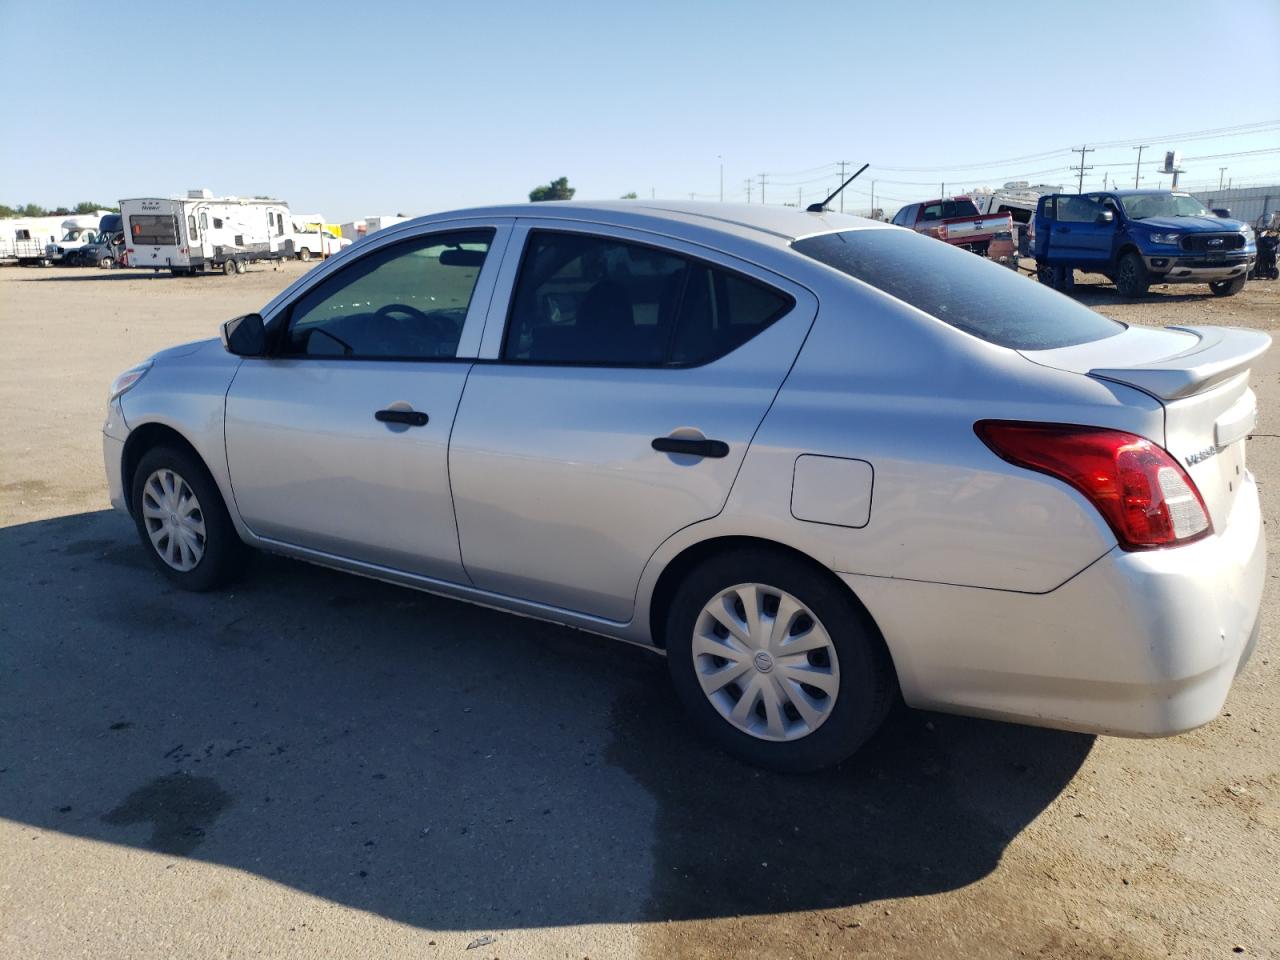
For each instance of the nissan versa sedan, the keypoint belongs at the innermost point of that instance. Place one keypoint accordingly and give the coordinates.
(815, 459)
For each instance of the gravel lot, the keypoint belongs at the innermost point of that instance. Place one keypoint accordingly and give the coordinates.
(315, 765)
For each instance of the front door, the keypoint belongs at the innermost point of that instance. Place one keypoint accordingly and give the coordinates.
(338, 441)
(1077, 235)
(614, 408)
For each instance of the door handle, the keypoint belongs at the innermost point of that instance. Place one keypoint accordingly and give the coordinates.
(1064, 229)
(694, 447)
(414, 418)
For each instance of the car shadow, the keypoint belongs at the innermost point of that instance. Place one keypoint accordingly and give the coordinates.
(1095, 295)
(448, 766)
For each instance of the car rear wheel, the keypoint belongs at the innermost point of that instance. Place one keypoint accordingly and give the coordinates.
(183, 522)
(776, 662)
(1227, 288)
(106, 263)
(241, 266)
(1132, 279)
(304, 255)
(228, 267)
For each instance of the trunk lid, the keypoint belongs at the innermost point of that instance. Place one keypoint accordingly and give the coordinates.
(1200, 375)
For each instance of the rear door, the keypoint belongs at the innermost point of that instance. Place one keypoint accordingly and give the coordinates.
(621, 380)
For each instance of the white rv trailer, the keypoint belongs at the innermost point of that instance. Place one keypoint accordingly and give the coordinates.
(201, 232)
(34, 240)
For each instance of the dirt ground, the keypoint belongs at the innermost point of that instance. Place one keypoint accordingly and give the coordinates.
(314, 765)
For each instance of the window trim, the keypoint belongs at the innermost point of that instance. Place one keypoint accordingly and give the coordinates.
(788, 306)
(282, 320)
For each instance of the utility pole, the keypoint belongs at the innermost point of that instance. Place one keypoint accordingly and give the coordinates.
(1104, 181)
(1221, 171)
(942, 189)
(1082, 168)
(873, 199)
(692, 195)
(1137, 173)
(762, 176)
(843, 164)
(653, 193)
(721, 159)
(799, 200)
(748, 189)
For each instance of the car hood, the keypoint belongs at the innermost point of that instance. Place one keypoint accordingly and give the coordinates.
(187, 349)
(1193, 224)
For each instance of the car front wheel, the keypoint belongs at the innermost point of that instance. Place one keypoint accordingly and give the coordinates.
(776, 662)
(1132, 278)
(1227, 288)
(183, 522)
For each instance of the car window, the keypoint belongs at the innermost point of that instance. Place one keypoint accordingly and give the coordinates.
(407, 301)
(1078, 209)
(932, 211)
(150, 230)
(970, 293)
(581, 299)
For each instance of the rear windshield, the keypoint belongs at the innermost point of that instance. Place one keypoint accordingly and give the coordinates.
(960, 288)
(148, 230)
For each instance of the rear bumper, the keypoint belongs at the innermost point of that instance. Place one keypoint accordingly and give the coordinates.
(1197, 269)
(1139, 644)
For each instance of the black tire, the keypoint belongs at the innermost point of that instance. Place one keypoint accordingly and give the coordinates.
(1044, 273)
(304, 255)
(106, 263)
(1227, 288)
(241, 266)
(228, 267)
(867, 685)
(224, 552)
(1132, 278)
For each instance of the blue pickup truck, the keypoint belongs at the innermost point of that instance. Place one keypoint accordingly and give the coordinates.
(1139, 237)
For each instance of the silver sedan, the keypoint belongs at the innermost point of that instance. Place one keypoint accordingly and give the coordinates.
(819, 461)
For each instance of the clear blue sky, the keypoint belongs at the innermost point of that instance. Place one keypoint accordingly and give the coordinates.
(361, 108)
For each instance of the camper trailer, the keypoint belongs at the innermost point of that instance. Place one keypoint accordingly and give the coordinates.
(34, 240)
(200, 232)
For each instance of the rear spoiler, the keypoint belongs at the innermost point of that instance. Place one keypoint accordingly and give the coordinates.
(1220, 354)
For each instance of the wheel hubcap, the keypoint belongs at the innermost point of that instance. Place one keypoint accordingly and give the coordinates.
(174, 520)
(765, 662)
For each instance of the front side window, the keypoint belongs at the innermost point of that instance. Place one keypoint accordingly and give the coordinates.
(594, 300)
(153, 230)
(407, 301)
(970, 293)
(1078, 209)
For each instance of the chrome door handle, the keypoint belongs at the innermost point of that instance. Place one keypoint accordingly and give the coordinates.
(414, 418)
(693, 447)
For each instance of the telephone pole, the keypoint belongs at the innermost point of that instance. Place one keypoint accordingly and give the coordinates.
(1104, 181)
(721, 159)
(1082, 168)
(843, 164)
(1137, 172)
(1221, 171)
(762, 176)
(748, 189)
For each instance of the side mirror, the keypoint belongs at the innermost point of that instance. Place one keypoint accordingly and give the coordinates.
(245, 336)
(1222, 212)
(1106, 216)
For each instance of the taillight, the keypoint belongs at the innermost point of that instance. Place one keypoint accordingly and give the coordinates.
(942, 231)
(1140, 490)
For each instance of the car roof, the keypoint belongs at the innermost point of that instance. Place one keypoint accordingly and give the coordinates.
(754, 221)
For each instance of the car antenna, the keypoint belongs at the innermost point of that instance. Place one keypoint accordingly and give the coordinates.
(822, 207)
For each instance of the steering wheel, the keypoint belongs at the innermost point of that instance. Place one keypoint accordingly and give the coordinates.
(423, 326)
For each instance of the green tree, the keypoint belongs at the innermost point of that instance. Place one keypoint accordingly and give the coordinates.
(629, 196)
(32, 210)
(88, 206)
(7, 211)
(555, 190)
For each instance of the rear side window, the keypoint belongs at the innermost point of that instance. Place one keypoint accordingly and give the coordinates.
(966, 291)
(598, 301)
(932, 211)
(151, 230)
(959, 208)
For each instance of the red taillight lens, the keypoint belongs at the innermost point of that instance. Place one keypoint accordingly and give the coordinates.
(1140, 490)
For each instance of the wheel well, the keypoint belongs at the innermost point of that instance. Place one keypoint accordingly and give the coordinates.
(690, 557)
(144, 438)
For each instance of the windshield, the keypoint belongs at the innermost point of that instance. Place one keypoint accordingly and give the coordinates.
(968, 292)
(1140, 206)
(74, 234)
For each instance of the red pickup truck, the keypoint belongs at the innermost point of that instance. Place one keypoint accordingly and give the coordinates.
(956, 221)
